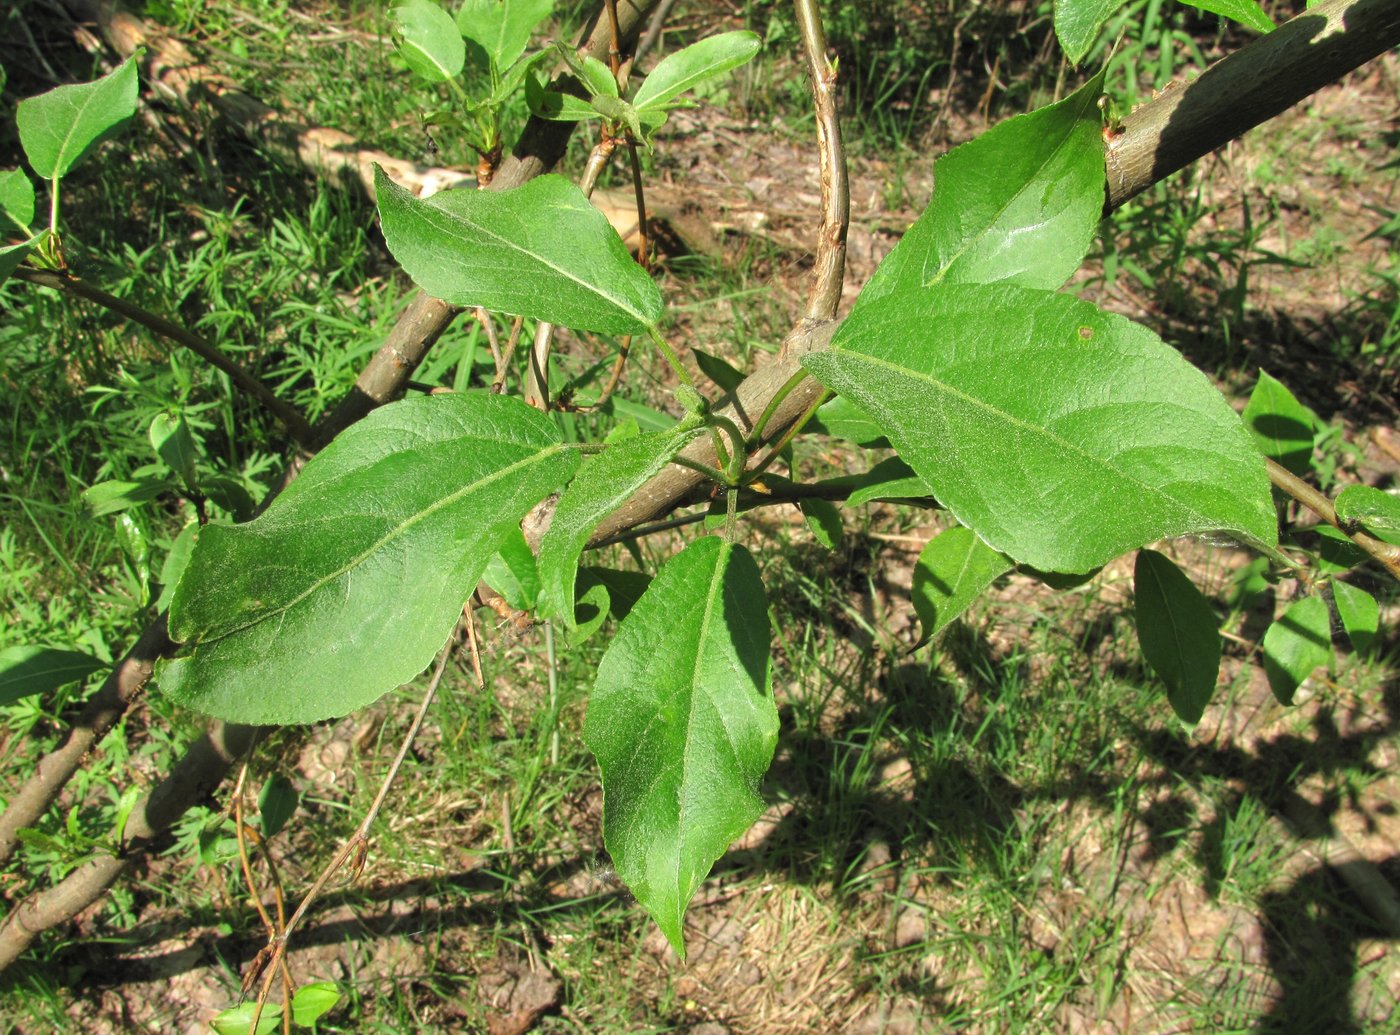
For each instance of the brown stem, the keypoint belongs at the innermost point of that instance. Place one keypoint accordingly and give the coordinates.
(829, 272)
(294, 422)
(1286, 481)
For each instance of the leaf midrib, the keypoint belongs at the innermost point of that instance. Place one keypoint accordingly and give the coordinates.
(398, 530)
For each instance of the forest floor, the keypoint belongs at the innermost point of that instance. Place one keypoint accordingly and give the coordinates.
(1006, 831)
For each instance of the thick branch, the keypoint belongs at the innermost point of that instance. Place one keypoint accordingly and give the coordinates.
(829, 274)
(1249, 87)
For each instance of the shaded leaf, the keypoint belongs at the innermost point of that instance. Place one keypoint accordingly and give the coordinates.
(541, 250)
(718, 370)
(350, 582)
(952, 571)
(60, 128)
(1063, 435)
(27, 669)
(1179, 633)
(1282, 426)
(1378, 511)
(12, 255)
(603, 484)
(843, 419)
(1246, 12)
(277, 803)
(513, 573)
(684, 726)
(16, 202)
(1335, 550)
(1359, 613)
(1019, 204)
(428, 40)
(502, 27)
(890, 479)
(174, 564)
(110, 497)
(1296, 643)
(171, 439)
(823, 520)
(687, 68)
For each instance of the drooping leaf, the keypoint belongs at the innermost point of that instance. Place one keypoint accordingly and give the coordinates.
(890, 479)
(502, 27)
(29, 669)
(718, 370)
(174, 564)
(313, 1001)
(59, 128)
(555, 104)
(173, 442)
(624, 588)
(277, 803)
(1179, 633)
(1359, 612)
(12, 255)
(823, 521)
(349, 583)
(1063, 435)
(1282, 426)
(1297, 642)
(428, 40)
(683, 725)
(687, 68)
(952, 571)
(1077, 24)
(843, 419)
(238, 1020)
(110, 497)
(603, 484)
(1378, 511)
(513, 572)
(1246, 12)
(1019, 204)
(16, 202)
(1335, 550)
(541, 250)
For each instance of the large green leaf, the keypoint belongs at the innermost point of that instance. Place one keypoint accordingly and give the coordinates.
(951, 572)
(603, 484)
(541, 250)
(1019, 204)
(1179, 633)
(1297, 642)
(1077, 24)
(349, 583)
(1282, 426)
(60, 127)
(28, 669)
(1246, 12)
(428, 40)
(684, 726)
(1063, 435)
(687, 68)
(502, 27)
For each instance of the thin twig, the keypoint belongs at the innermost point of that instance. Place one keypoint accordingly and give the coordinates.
(654, 29)
(296, 425)
(1286, 481)
(499, 384)
(484, 318)
(356, 844)
(829, 272)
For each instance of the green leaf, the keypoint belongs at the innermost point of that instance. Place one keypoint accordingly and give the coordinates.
(1296, 643)
(1282, 426)
(890, 479)
(428, 40)
(171, 439)
(175, 563)
(1378, 511)
(238, 1020)
(1063, 435)
(843, 419)
(354, 577)
(1077, 24)
(313, 1001)
(16, 202)
(541, 250)
(1246, 12)
(14, 254)
(1019, 204)
(28, 669)
(687, 68)
(110, 497)
(1335, 550)
(557, 105)
(1179, 633)
(727, 376)
(277, 803)
(683, 724)
(513, 574)
(502, 27)
(603, 484)
(596, 77)
(59, 128)
(824, 521)
(952, 571)
(1359, 613)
